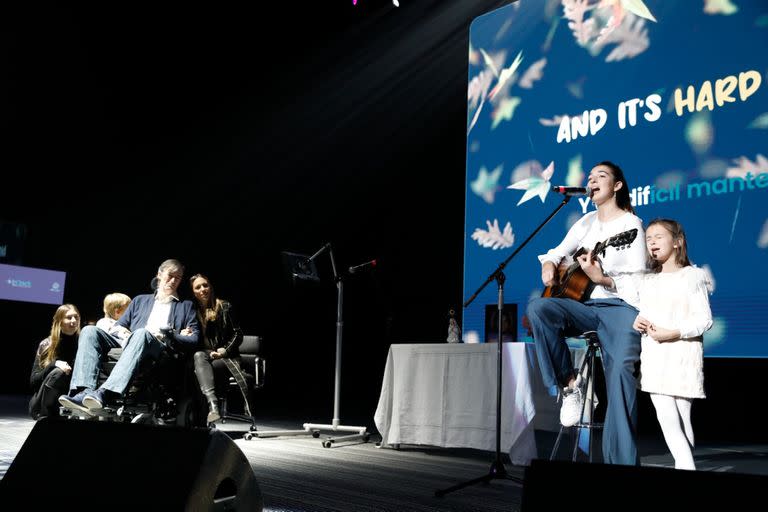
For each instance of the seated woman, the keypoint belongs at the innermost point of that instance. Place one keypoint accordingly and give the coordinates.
(221, 339)
(52, 369)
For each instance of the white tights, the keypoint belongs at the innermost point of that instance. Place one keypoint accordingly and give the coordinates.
(674, 415)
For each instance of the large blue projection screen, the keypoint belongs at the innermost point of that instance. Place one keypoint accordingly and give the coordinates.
(680, 103)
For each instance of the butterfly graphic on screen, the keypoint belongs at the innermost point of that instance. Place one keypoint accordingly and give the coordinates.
(573, 282)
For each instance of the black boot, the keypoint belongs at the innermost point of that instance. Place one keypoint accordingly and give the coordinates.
(213, 408)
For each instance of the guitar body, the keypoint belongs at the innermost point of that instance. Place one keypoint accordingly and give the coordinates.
(573, 284)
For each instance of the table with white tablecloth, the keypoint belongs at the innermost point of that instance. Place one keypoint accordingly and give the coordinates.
(444, 394)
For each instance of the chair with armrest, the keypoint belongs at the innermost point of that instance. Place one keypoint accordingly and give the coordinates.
(252, 366)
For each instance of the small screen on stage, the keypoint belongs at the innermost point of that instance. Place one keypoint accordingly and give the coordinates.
(675, 93)
(26, 284)
(298, 267)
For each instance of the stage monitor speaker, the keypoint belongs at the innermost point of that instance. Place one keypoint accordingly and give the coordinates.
(563, 485)
(100, 465)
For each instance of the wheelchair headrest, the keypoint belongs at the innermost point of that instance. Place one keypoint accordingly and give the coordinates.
(250, 345)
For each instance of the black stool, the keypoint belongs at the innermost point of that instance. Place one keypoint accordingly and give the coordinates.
(593, 346)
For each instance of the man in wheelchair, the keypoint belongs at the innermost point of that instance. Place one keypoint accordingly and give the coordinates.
(161, 391)
(148, 332)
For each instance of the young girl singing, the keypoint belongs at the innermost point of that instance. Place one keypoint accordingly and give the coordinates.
(674, 313)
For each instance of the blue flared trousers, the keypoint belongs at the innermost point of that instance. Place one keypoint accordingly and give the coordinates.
(554, 319)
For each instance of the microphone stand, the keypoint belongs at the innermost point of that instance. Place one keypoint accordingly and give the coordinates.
(497, 470)
(314, 428)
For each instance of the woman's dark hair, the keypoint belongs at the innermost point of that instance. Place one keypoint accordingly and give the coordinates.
(208, 311)
(622, 195)
(678, 236)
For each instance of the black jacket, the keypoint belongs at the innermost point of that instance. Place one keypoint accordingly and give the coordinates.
(67, 351)
(224, 332)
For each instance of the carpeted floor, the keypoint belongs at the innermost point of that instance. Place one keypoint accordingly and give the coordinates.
(298, 474)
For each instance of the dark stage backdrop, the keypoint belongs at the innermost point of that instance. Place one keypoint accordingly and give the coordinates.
(676, 93)
(224, 135)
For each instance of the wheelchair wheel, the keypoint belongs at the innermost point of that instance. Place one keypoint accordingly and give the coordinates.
(248, 436)
(327, 444)
(187, 416)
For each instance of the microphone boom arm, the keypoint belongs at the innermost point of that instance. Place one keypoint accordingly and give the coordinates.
(497, 469)
(503, 264)
(324, 248)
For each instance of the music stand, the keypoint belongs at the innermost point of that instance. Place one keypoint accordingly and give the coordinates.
(497, 469)
(303, 268)
(299, 267)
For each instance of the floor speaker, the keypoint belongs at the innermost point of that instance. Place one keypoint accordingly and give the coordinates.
(100, 465)
(576, 485)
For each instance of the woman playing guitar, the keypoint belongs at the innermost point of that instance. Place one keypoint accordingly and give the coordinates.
(609, 308)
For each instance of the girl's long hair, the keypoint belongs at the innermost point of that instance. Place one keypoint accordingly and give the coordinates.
(51, 353)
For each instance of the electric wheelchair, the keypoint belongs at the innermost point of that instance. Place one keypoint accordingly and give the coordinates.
(163, 391)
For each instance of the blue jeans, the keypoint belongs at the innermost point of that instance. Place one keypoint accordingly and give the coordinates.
(93, 345)
(554, 319)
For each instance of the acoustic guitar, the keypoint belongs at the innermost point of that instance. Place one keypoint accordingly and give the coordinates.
(573, 282)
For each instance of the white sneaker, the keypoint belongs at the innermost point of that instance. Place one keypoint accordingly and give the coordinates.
(570, 411)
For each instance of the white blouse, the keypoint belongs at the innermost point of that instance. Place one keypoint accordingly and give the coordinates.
(675, 300)
(625, 266)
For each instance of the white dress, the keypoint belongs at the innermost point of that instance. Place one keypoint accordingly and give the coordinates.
(675, 300)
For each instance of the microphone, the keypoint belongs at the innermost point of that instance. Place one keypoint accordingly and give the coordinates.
(571, 191)
(362, 266)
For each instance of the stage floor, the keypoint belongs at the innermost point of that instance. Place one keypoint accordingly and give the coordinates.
(299, 474)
